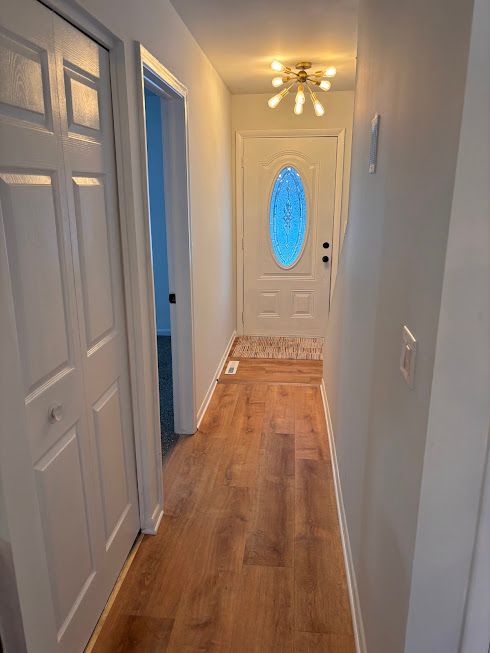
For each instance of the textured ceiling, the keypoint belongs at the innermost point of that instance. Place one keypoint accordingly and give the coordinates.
(242, 38)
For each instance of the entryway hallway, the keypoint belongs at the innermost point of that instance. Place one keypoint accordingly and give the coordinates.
(248, 556)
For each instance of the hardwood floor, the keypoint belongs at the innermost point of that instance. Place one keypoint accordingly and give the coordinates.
(255, 370)
(248, 557)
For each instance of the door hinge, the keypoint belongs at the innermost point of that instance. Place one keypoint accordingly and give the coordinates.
(171, 298)
(243, 243)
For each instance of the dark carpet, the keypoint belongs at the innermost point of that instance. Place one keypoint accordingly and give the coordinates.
(169, 438)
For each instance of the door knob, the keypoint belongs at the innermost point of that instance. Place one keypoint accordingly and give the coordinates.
(325, 259)
(326, 245)
(55, 413)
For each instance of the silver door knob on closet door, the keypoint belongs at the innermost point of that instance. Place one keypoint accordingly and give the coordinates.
(55, 413)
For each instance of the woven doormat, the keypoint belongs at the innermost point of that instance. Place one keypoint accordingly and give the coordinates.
(278, 347)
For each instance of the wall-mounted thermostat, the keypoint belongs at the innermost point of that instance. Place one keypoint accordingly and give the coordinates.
(373, 148)
(407, 356)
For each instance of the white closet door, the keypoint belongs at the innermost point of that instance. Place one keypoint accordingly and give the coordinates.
(89, 156)
(59, 242)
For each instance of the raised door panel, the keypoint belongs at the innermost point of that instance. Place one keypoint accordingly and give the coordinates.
(302, 304)
(24, 87)
(82, 103)
(94, 256)
(110, 452)
(66, 526)
(34, 238)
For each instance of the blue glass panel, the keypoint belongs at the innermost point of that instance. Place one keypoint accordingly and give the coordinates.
(287, 217)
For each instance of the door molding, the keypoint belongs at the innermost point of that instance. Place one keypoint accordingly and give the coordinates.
(240, 137)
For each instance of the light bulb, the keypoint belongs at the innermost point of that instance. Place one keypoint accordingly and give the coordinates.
(325, 85)
(331, 71)
(275, 99)
(300, 95)
(317, 105)
(277, 66)
(277, 81)
(319, 110)
(298, 108)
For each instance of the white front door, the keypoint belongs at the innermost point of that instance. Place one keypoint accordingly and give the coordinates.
(288, 216)
(60, 248)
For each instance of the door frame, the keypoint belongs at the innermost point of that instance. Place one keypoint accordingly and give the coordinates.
(241, 136)
(154, 75)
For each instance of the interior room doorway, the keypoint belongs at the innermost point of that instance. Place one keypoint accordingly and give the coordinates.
(159, 244)
(169, 269)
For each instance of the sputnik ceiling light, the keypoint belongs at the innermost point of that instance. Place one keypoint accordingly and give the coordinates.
(302, 80)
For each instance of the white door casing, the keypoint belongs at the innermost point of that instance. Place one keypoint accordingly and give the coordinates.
(59, 244)
(288, 300)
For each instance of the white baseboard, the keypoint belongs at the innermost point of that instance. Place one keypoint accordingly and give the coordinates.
(216, 375)
(355, 605)
(164, 332)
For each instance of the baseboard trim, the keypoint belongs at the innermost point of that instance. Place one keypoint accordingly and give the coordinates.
(214, 380)
(355, 604)
(164, 332)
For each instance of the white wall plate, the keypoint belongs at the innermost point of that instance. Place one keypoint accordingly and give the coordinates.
(231, 367)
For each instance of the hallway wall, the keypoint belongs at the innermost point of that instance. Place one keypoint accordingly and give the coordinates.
(158, 27)
(459, 416)
(411, 69)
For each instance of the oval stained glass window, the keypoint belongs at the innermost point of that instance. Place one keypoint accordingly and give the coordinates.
(287, 217)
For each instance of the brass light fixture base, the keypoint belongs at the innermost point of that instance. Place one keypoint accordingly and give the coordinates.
(303, 65)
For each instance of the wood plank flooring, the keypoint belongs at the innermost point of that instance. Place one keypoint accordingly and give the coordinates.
(248, 557)
(255, 370)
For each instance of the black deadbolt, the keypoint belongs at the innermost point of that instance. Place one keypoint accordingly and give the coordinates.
(326, 245)
(171, 298)
(325, 259)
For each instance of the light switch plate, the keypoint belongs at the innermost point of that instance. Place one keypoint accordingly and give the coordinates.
(231, 368)
(407, 356)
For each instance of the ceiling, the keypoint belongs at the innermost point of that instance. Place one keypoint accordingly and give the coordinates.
(242, 37)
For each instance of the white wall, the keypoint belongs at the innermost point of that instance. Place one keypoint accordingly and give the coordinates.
(159, 28)
(251, 111)
(459, 415)
(476, 630)
(411, 69)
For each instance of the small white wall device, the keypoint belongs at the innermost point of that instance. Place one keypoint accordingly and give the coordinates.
(407, 356)
(373, 147)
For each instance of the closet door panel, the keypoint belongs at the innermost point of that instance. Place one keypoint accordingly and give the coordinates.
(89, 154)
